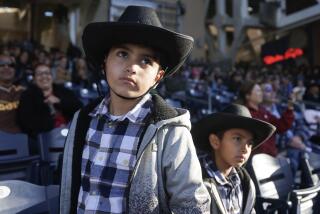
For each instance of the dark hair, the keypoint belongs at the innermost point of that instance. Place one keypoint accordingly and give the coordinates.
(38, 65)
(220, 134)
(245, 89)
(206, 147)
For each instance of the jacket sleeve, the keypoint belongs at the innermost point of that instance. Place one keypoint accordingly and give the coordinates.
(69, 103)
(33, 116)
(183, 177)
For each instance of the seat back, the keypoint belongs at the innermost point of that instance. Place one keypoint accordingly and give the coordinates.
(314, 161)
(275, 187)
(272, 176)
(306, 201)
(13, 146)
(24, 198)
(51, 145)
(15, 160)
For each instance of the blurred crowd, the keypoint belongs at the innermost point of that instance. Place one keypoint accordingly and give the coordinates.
(36, 85)
(41, 90)
(288, 96)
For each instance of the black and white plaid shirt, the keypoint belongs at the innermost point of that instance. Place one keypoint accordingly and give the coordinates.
(229, 188)
(109, 157)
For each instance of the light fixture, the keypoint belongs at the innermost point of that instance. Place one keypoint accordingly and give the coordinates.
(48, 13)
(9, 10)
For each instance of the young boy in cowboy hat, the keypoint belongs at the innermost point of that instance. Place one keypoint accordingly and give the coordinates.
(224, 141)
(130, 152)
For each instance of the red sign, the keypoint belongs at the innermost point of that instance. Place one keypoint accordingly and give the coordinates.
(290, 53)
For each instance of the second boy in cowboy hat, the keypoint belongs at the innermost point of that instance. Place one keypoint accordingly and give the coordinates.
(130, 152)
(225, 141)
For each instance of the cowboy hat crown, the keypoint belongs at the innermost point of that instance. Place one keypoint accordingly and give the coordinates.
(139, 25)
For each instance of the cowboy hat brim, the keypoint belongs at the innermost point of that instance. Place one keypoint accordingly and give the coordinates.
(99, 37)
(218, 122)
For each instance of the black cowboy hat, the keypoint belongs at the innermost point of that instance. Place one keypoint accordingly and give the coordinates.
(233, 116)
(139, 25)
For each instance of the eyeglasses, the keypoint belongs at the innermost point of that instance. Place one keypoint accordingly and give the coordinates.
(6, 63)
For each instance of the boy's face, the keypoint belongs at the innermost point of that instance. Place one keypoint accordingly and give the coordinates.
(234, 149)
(131, 70)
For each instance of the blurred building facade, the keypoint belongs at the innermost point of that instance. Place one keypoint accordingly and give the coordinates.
(224, 30)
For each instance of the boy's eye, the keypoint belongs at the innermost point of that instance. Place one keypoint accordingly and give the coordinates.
(122, 54)
(237, 138)
(147, 61)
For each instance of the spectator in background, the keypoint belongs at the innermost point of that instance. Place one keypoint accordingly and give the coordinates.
(269, 101)
(9, 95)
(300, 137)
(62, 73)
(42, 57)
(250, 95)
(276, 85)
(23, 69)
(15, 50)
(286, 87)
(299, 90)
(313, 93)
(73, 51)
(44, 105)
(295, 141)
(235, 82)
(80, 74)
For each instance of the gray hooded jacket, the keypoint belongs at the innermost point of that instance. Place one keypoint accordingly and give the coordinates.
(167, 177)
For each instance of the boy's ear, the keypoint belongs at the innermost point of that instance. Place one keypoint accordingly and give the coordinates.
(160, 75)
(214, 141)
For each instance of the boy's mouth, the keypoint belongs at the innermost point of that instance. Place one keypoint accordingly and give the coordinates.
(241, 157)
(128, 80)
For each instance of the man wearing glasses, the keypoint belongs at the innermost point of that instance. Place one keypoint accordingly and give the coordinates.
(9, 95)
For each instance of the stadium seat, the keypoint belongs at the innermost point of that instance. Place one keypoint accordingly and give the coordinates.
(26, 198)
(312, 167)
(15, 160)
(51, 145)
(275, 187)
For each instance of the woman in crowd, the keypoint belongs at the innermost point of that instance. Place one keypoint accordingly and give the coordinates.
(44, 105)
(251, 96)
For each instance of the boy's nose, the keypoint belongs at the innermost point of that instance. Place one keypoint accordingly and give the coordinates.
(132, 67)
(245, 148)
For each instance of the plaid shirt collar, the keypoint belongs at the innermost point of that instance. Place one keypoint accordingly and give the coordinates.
(213, 172)
(133, 115)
